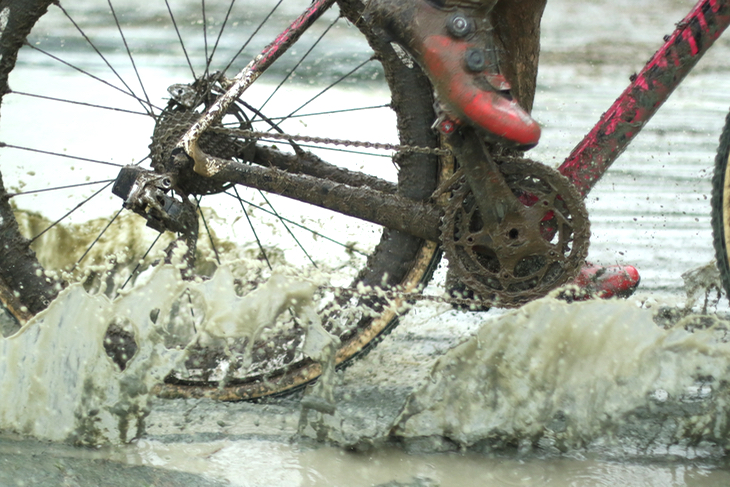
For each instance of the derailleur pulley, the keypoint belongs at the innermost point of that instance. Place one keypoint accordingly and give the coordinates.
(149, 194)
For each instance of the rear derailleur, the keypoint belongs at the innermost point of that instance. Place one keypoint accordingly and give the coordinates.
(146, 193)
(151, 195)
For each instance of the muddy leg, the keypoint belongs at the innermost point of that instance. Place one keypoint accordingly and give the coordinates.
(517, 29)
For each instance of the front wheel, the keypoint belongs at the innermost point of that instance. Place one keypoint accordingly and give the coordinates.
(721, 207)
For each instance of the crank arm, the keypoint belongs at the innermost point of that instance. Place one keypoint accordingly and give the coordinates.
(493, 197)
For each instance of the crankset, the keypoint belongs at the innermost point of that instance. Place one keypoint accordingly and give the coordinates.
(514, 229)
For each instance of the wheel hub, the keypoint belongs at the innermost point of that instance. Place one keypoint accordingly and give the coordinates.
(185, 108)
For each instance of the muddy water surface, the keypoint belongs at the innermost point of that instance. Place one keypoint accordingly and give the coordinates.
(649, 410)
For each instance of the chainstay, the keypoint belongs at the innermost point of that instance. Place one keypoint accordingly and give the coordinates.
(253, 134)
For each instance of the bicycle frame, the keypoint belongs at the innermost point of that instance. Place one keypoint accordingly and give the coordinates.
(584, 166)
(649, 89)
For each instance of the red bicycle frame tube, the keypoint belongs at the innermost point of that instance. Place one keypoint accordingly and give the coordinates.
(592, 157)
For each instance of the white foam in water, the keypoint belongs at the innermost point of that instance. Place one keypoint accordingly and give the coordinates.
(57, 382)
(550, 375)
(553, 375)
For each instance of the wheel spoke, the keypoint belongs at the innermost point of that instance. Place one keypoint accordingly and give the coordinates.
(58, 154)
(301, 60)
(98, 237)
(283, 222)
(207, 231)
(81, 103)
(330, 86)
(273, 125)
(81, 203)
(68, 213)
(205, 35)
(139, 264)
(253, 228)
(56, 188)
(179, 37)
(103, 58)
(129, 52)
(86, 73)
(209, 59)
(253, 34)
(299, 225)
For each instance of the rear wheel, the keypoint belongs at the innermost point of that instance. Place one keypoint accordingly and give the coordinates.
(96, 80)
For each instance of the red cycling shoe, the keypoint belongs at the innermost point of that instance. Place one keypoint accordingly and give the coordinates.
(593, 281)
(453, 45)
(606, 282)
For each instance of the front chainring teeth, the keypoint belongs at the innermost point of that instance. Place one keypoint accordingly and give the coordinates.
(563, 224)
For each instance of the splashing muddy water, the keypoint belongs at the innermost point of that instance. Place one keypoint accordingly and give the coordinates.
(552, 376)
(546, 379)
(75, 392)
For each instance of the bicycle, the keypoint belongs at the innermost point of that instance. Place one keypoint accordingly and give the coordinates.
(425, 191)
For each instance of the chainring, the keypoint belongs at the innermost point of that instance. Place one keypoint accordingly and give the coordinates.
(522, 258)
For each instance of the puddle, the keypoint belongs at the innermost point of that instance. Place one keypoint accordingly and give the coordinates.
(550, 393)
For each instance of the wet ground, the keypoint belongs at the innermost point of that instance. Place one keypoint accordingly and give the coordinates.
(651, 211)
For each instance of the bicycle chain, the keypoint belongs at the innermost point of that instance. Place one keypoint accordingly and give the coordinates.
(253, 134)
(463, 303)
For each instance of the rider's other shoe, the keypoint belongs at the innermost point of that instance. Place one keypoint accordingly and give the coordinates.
(593, 281)
(605, 282)
(452, 41)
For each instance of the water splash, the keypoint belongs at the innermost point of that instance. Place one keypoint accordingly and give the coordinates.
(58, 383)
(562, 377)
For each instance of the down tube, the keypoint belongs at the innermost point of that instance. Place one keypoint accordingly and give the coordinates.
(649, 89)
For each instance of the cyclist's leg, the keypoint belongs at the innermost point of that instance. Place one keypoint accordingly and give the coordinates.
(510, 28)
(517, 36)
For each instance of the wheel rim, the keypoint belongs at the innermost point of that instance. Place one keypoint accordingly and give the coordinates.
(721, 206)
(27, 90)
